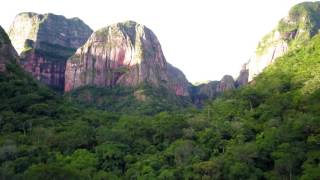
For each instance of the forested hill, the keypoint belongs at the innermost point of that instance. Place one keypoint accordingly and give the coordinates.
(270, 129)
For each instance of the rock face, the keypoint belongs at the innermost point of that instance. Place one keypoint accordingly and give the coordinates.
(178, 81)
(45, 42)
(212, 89)
(126, 54)
(7, 52)
(243, 76)
(207, 90)
(226, 83)
(301, 24)
(261, 60)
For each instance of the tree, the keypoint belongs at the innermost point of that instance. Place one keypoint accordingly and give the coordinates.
(81, 161)
(51, 172)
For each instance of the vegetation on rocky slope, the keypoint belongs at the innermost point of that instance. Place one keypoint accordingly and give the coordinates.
(297, 28)
(142, 100)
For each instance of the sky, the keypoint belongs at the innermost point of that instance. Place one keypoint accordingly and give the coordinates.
(206, 39)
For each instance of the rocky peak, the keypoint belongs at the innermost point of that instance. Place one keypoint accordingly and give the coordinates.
(45, 42)
(212, 89)
(302, 21)
(48, 28)
(125, 54)
(226, 83)
(209, 89)
(243, 77)
(292, 31)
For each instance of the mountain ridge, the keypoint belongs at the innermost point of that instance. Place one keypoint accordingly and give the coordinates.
(43, 52)
(44, 42)
(125, 54)
(292, 31)
(279, 41)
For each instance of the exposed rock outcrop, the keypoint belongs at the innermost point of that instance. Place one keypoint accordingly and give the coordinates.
(205, 91)
(45, 42)
(178, 81)
(7, 52)
(126, 54)
(226, 83)
(212, 89)
(243, 76)
(301, 24)
(261, 60)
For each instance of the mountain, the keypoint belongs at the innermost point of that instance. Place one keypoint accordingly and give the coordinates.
(243, 77)
(129, 54)
(45, 42)
(125, 54)
(212, 89)
(8, 54)
(293, 31)
(268, 129)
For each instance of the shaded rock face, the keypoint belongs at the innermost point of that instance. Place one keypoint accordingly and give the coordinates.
(178, 81)
(45, 42)
(212, 89)
(44, 69)
(301, 24)
(243, 76)
(126, 54)
(209, 89)
(7, 52)
(226, 83)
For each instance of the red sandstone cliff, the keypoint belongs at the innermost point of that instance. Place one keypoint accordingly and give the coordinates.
(126, 54)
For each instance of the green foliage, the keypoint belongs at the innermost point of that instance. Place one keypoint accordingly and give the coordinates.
(81, 160)
(141, 100)
(306, 16)
(302, 23)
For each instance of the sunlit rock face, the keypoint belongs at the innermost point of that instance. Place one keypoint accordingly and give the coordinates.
(260, 60)
(299, 26)
(126, 54)
(7, 52)
(45, 42)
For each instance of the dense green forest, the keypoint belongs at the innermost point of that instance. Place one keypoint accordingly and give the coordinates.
(267, 130)
(141, 100)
